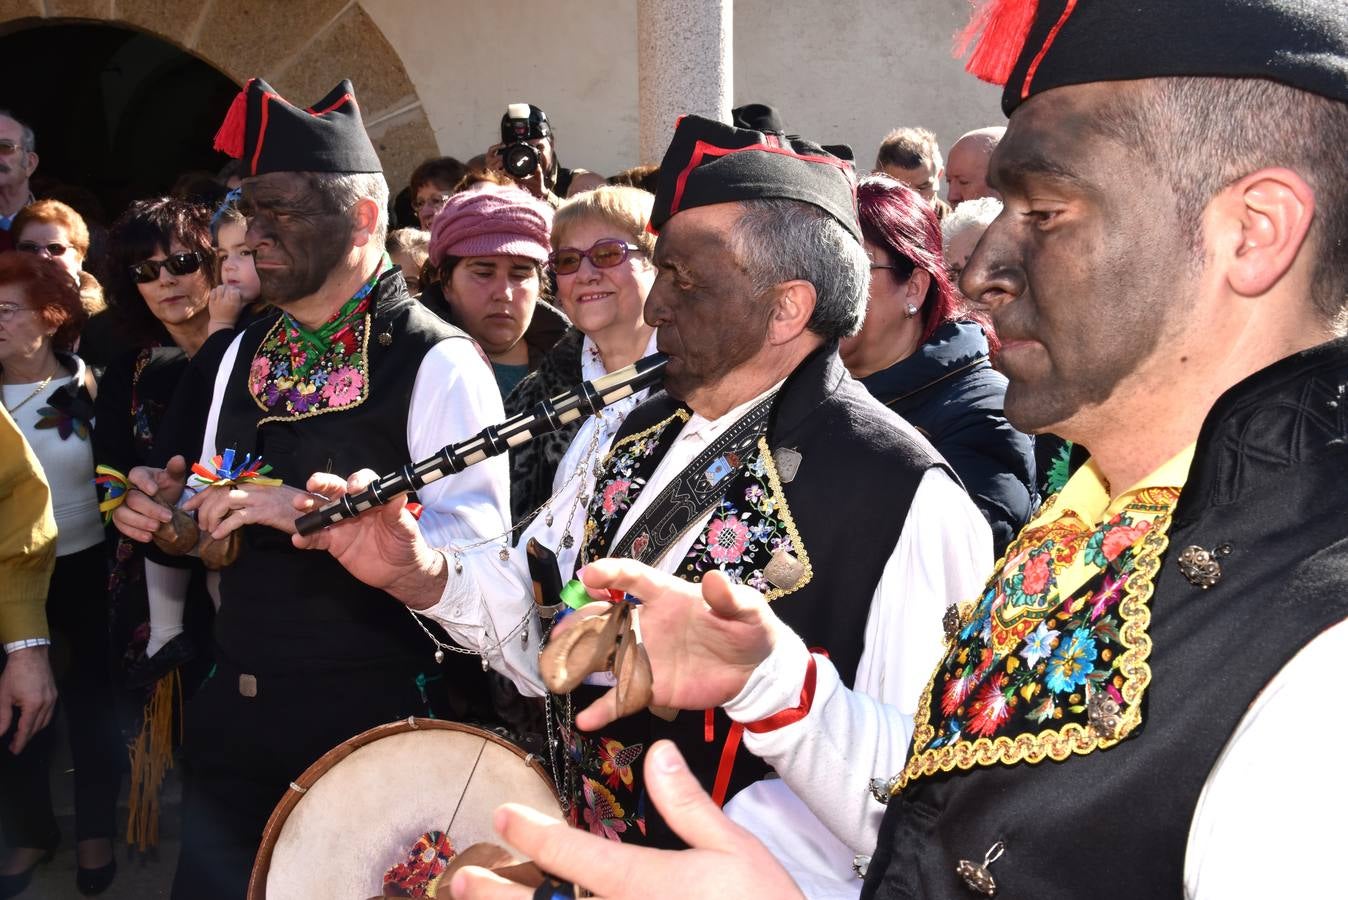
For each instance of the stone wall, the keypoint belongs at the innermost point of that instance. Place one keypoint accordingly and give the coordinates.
(845, 71)
(301, 47)
(434, 76)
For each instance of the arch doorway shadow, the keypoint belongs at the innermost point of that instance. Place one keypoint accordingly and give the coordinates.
(118, 114)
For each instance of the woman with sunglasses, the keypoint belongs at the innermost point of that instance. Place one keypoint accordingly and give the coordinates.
(152, 406)
(47, 390)
(55, 230)
(603, 272)
(924, 356)
(488, 246)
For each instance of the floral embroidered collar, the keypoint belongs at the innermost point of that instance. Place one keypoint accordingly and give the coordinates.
(298, 372)
(1052, 660)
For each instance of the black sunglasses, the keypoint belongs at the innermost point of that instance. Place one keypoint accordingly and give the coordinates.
(53, 248)
(604, 254)
(178, 264)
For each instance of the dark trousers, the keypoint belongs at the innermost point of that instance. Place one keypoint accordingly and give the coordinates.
(241, 753)
(77, 613)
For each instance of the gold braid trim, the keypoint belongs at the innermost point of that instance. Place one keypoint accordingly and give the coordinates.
(1072, 738)
(681, 414)
(775, 486)
(364, 387)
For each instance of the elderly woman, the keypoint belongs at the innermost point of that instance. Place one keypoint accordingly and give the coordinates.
(52, 229)
(47, 390)
(603, 270)
(916, 355)
(488, 246)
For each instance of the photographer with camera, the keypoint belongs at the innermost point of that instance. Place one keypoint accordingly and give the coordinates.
(527, 154)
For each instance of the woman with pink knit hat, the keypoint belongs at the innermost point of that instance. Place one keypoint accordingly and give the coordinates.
(489, 246)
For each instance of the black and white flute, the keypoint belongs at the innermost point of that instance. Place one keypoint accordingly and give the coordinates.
(586, 399)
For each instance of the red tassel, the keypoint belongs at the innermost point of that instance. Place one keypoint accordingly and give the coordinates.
(229, 139)
(997, 32)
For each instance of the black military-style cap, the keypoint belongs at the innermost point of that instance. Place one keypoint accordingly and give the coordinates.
(1031, 46)
(710, 162)
(270, 135)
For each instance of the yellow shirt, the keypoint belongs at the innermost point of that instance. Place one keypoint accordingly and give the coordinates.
(1085, 498)
(27, 537)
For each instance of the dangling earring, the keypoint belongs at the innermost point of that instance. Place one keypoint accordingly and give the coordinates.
(910, 310)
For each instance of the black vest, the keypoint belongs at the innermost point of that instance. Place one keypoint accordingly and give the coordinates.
(1268, 485)
(286, 611)
(860, 469)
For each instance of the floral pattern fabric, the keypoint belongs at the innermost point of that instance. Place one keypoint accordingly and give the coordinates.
(751, 522)
(291, 377)
(1028, 659)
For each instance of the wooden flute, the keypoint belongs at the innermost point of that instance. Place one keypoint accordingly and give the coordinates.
(585, 399)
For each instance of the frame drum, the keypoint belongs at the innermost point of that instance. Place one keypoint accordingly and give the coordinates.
(358, 811)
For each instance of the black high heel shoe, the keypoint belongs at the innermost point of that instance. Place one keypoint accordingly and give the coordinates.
(92, 882)
(13, 885)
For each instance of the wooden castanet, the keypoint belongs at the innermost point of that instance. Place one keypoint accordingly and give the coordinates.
(179, 535)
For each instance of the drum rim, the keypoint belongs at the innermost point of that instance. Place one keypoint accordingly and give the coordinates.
(257, 880)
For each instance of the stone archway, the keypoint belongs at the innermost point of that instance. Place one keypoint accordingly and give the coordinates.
(301, 47)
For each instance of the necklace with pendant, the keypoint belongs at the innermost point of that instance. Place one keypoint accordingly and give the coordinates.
(42, 385)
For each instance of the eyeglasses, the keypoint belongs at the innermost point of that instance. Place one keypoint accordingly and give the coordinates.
(603, 254)
(10, 310)
(52, 249)
(437, 202)
(177, 264)
(8, 147)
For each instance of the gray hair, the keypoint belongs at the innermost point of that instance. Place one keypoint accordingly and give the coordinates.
(978, 212)
(28, 139)
(345, 190)
(778, 240)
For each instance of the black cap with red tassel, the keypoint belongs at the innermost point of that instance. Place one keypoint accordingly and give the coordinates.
(1030, 46)
(270, 135)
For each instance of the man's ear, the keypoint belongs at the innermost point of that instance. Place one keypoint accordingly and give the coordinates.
(364, 221)
(30, 163)
(791, 312)
(1257, 226)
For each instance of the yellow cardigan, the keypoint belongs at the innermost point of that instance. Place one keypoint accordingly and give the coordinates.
(27, 537)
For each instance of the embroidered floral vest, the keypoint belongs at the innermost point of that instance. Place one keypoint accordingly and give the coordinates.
(751, 523)
(1032, 673)
(1084, 815)
(857, 462)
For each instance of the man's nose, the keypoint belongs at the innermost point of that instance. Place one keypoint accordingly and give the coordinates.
(994, 274)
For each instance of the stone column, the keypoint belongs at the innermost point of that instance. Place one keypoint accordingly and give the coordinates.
(684, 65)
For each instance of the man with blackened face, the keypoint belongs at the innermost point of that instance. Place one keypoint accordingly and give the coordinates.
(759, 442)
(1117, 712)
(299, 232)
(351, 375)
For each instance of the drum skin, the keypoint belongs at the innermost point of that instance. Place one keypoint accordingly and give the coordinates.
(358, 810)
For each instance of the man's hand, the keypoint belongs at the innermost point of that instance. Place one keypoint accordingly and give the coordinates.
(221, 510)
(724, 859)
(26, 683)
(148, 502)
(704, 641)
(382, 547)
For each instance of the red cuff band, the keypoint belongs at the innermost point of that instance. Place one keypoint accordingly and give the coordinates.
(795, 713)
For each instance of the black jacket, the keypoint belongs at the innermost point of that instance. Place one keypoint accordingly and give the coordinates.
(949, 392)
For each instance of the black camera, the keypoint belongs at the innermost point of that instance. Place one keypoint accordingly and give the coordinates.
(522, 123)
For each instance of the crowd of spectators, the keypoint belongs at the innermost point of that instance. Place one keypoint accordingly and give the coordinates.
(111, 335)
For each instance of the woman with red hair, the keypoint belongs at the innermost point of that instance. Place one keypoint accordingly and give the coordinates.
(924, 356)
(48, 391)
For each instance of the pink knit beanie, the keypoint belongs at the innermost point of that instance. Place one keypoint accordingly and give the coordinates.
(492, 220)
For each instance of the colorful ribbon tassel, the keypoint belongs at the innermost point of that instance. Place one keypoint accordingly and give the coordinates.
(225, 471)
(112, 487)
